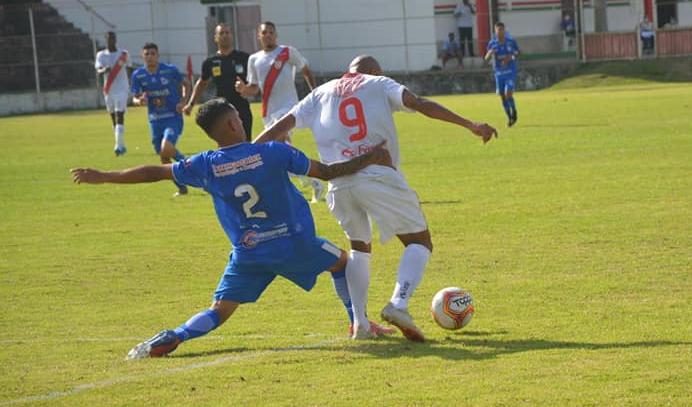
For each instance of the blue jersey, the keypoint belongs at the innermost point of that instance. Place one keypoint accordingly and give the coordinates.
(263, 214)
(508, 47)
(162, 89)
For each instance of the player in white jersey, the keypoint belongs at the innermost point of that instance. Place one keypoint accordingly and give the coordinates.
(271, 70)
(112, 63)
(348, 116)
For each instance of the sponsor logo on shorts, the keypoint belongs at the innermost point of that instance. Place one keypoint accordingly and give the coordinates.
(251, 238)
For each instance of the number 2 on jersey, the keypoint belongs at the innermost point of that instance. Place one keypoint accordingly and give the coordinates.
(356, 119)
(247, 189)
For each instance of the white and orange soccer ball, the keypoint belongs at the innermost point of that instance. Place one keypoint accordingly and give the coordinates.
(452, 308)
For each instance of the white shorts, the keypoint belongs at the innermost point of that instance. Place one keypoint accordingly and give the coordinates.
(116, 101)
(387, 200)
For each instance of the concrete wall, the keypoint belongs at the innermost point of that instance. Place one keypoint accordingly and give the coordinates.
(177, 26)
(685, 14)
(400, 33)
(74, 99)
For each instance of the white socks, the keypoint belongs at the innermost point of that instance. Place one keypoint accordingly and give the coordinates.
(358, 279)
(119, 136)
(411, 268)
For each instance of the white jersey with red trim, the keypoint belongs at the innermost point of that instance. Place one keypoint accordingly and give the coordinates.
(107, 59)
(349, 116)
(283, 95)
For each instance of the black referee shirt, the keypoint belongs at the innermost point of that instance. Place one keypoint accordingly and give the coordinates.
(223, 69)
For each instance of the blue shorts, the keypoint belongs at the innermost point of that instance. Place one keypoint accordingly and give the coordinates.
(169, 129)
(504, 83)
(245, 282)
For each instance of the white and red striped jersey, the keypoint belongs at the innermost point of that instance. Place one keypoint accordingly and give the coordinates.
(350, 115)
(283, 94)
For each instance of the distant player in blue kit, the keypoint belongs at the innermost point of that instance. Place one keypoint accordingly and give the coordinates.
(265, 217)
(159, 86)
(506, 51)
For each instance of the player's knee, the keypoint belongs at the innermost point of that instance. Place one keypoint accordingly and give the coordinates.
(340, 264)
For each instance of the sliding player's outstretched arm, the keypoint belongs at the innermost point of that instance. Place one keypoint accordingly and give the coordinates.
(136, 175)
(437, 111)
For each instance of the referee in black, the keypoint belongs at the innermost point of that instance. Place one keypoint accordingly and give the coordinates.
(224, 68)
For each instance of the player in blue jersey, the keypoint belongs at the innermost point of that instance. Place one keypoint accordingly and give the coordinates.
(165, 92)
(265, 217)
(505, 50)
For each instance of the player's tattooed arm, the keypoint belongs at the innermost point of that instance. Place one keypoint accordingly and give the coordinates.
(437, 111)
(135, 175)
(378, 155)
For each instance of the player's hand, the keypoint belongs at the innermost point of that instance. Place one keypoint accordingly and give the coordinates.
(187, 109)
(484, 131)
(140, 100)
(180, 107)
(240, 85)
(380, 155)
(87, 176)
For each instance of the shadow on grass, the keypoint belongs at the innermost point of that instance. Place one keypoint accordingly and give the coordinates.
(462, 348)
(469, 345)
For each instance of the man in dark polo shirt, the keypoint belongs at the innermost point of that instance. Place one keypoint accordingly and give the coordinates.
(224, 68)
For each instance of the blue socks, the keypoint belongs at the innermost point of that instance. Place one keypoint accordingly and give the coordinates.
(510, 108)
(505, 104)
(510, 101)
(341, 288)
(200, 324)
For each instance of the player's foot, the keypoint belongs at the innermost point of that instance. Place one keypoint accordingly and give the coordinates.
(375, 328)
(182, 190)
(362, 332)
(120, 151)
(158, 345)
(317, 191)
(402, 320)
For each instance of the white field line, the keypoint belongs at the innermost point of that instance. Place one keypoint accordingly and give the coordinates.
(137, 340)
(166, 372)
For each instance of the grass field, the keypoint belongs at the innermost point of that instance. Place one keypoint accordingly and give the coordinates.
(573, 232)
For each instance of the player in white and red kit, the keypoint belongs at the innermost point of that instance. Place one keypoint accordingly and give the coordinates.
(112, 63)
(348, 117)
(271, 70)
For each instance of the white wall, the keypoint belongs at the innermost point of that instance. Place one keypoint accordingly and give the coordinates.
(399, 33)
(685, 14)
(526, 23)
(176, 26)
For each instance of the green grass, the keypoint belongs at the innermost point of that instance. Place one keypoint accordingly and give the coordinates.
(572, 231)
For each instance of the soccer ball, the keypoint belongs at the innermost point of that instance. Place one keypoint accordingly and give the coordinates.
(452, 308)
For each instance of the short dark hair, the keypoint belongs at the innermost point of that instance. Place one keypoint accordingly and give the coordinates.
(110, 34)
(210, 111)
(500, 24)
(150, 45)
(267, 23)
